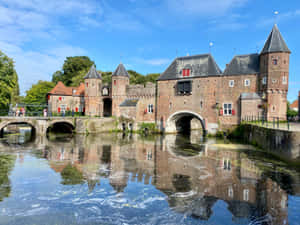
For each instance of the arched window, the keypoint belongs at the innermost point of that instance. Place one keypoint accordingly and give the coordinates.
(275, 62)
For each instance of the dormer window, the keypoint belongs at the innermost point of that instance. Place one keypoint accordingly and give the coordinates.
(186, 72)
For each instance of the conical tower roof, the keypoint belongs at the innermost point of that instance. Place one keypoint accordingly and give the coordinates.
(120, 71)
(93, 74)
(275, 42)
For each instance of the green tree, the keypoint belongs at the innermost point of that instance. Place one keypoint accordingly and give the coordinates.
(136, 78)
(37, 94)
(73, 70)
(9, 87)
(152, 77)
(71, 176)
(290, 112)
(106, 77)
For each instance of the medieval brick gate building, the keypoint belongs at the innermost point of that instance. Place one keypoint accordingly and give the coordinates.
(193, 92)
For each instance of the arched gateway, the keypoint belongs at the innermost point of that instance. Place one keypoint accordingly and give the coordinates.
(184, 122)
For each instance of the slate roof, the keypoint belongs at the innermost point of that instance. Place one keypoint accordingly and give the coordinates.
(275, 42)
(250, 96)
(200, 65)
(61, 89)
(243, 64)
(129, 103)
(120, 71)
(93, 74)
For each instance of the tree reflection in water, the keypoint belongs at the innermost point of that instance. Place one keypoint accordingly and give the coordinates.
(6, 165)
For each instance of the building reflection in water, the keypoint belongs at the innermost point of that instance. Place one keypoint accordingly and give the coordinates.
(193, 176)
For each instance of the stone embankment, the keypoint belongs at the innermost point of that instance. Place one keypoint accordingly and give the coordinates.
(283, 142)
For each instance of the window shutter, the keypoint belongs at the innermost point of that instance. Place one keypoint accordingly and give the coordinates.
(76, 109)
(187, 72)
(187, 87)
(183, 72)
(233, 112)
(59, 98)
(58, 109)
(221, 112)
(180, 87)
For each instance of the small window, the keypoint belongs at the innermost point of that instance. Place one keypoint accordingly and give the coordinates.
(201, 104)
(115, 82)
(275, 62)
(227, 109)
(226, 164)
(149, 155)
(186, 72)
(74, 91)
(264, 80)
(184, 87)
(231, 83)
(230, 192)
(170, 105)
(284, 80)
(273, 108)
(150, 108)
(246, 194)
(247, 83)
(105, 91)
(87, 84)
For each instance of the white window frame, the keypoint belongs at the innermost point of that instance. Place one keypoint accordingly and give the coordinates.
(284, 79)
(247, 82)
(230, 192)
(63, 106)
(264, 80)
(149, 155)
(226, 164)
(246, 193)
(150, 108)
(231, 83)
(227, 111)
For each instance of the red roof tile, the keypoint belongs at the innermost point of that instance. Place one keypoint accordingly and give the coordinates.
(294, 104)
(61, 89)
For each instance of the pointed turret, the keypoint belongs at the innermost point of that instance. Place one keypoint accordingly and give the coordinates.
(275, 42)
(93, 74)
(120, 71)
(120, 81)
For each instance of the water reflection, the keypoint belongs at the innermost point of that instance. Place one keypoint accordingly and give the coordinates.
(199, 181)
(6, 165)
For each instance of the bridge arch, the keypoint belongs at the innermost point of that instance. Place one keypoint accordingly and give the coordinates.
(184, 122)
(61, 126)
(4, 124)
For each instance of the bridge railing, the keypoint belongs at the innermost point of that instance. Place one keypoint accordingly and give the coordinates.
(291, 123)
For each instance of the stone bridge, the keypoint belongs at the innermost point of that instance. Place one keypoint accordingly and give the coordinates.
(41, 125)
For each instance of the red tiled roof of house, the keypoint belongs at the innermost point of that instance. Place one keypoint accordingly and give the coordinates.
(294, 104)
(80, 89)
(61, 89)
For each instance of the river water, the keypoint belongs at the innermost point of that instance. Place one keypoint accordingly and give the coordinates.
(129, 179)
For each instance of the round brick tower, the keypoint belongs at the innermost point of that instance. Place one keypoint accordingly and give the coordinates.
(120, 80)
(92, 93)
(274, 75)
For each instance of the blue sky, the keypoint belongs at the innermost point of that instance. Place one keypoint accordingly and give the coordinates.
(146, 35)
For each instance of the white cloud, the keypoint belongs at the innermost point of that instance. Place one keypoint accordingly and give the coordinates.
(32, 66)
